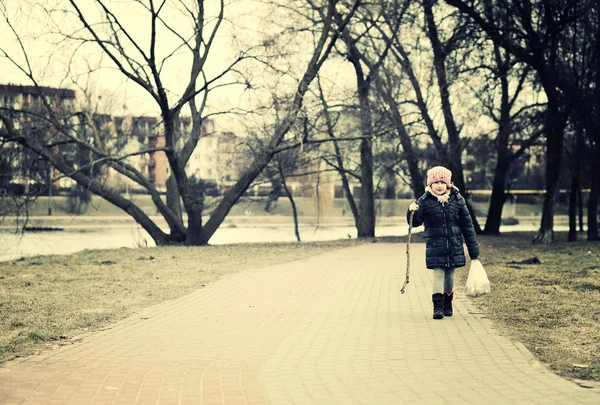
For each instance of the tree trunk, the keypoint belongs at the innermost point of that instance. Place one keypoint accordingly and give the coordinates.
(194, 233)
(339, 159)
(366, 204)
(193, 204)
(503, 155)
(573, 194)
(555, 124)
(160, 237)
(580, 208)
(173, 200)
(416, 177)
(261, 161)
(498, 198)
(276, 183)
(292, 202)
(454, 144)
(592, 208)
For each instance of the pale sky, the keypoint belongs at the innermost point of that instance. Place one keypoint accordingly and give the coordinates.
(51, 56)
(52, 61)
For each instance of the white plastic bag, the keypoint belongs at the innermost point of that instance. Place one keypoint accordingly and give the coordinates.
(477, 281)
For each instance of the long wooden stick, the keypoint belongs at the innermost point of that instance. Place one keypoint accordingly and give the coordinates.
(410, 222)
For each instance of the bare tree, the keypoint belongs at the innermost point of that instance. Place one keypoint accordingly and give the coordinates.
(504, 82)
(339, 165)
(543, 36)
(446, 48)
(367, 54)
(143, 63)
(387, 88)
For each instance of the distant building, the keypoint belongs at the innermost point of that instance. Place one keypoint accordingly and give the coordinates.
(213, 160)
(30, 98)
(17, 101)
(144, 132)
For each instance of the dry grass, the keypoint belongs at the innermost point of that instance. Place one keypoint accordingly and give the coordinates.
(49, 299)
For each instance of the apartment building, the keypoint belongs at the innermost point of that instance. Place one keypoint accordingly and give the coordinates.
(211, 161)
(218, 158)
(22, 104)
(215, 159)
(31, 99)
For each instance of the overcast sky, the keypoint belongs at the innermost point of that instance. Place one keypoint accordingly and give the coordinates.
(57, 62)
(43, 24)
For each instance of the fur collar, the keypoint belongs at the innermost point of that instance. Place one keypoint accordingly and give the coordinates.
(443, 199)
(453, 190)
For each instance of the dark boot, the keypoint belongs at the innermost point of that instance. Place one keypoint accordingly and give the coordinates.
(448, 303)
(438, 305)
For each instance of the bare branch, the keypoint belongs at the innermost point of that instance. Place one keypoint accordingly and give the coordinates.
(144, 84)
(317, 141)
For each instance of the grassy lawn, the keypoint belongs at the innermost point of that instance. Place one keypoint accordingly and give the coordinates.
(553, 308)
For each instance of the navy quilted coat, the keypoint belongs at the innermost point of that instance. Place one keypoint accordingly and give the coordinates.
(445, 227)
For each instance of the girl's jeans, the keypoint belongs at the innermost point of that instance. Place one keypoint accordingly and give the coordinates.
(443, 280)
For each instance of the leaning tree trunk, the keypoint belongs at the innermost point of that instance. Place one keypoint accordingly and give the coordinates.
(232, 195)
(346, 183)
(57, 161)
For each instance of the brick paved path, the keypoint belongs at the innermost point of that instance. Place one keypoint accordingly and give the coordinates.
(332, 329)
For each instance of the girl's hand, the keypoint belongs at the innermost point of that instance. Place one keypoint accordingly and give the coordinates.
(413, 207)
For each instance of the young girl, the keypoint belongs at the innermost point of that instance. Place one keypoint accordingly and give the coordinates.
(446, 217)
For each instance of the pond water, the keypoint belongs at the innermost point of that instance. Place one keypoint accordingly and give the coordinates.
(70, 240)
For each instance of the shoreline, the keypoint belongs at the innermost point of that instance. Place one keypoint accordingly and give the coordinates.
(231, 221)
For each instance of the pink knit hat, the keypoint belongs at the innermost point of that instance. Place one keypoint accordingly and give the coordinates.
(439, 173)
